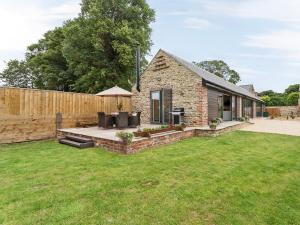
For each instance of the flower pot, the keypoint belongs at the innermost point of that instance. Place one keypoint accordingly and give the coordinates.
(213, 126)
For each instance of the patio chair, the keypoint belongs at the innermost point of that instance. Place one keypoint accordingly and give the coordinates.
(101, 119)
(133, 121)
(108, 122)
(122, 120)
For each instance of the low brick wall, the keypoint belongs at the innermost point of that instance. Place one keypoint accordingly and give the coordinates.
(215, 133)
(157, 140)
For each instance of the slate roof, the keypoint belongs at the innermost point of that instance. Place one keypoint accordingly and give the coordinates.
(211, 78)
(114, 91)
(248, 87)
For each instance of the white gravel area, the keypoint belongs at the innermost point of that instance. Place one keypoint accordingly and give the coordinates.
(289, 127)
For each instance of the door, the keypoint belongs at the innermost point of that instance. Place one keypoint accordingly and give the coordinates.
(227, 108)
(166, 105)
(156, 106)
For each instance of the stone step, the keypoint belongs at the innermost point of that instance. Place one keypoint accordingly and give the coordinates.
(78, 139)
(76, 144)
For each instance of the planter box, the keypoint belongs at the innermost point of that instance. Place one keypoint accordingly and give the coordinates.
(148, 133)
(141, 134)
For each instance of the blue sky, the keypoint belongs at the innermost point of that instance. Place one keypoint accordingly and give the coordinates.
(259, 39)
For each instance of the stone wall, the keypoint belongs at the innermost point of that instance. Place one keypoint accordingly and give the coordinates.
(187, 90)
(284, 110)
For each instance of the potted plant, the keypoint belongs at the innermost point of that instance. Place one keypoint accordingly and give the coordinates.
(126, 137)
(213, 124)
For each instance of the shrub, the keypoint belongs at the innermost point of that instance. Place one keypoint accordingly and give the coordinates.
(292, 98)
(125, 136)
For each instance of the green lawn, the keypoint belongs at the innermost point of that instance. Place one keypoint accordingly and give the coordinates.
(237, 178)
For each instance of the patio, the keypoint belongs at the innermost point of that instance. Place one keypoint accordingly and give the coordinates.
(109, 134)
(288, 127)
(106, 138)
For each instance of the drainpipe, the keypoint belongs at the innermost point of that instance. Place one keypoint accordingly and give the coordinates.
(138, 67)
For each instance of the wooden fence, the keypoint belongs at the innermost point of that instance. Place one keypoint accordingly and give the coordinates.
(30, 114)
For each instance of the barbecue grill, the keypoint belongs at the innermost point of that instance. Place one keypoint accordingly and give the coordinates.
(177, 115)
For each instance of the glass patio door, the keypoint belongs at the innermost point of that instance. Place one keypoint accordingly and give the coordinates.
(156, 106)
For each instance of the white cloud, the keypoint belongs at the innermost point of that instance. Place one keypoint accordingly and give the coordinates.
(284, 42)
(196, 23)
(24, 22)
(279, 10)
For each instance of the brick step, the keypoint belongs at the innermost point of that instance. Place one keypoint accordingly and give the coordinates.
(78, 139)
(76, 144)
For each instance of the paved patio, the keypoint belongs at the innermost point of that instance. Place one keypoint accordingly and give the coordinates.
(98, 132)
(289, 127)
(110, 134)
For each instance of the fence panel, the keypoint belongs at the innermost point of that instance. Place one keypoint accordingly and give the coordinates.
(29, 114)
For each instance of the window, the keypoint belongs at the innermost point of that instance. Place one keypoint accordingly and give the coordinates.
(234, 107)
(156, 106)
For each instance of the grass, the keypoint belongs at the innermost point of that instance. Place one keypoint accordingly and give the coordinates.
(237, 178)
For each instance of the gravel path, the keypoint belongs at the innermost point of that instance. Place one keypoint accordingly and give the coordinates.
(289, 127)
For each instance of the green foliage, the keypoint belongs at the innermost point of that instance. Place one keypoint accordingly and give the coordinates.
(48, 64)
(292, 98)
(292, 88)
(275, 99)
(288, 98)
(267, 93)
(215, 121)
(266, 99)
(94, 51)
(100, 44)
(17, 74)
(125, 136)
(221, 69)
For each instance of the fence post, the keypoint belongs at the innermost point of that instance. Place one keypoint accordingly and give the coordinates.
(58, 120)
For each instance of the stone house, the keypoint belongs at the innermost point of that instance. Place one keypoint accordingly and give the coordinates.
(170, 83)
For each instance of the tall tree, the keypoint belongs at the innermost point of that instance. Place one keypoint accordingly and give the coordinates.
(17, 74)
(48, 64)
(100, 45)
(292, 88)
(221, 69)
(292, 98)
